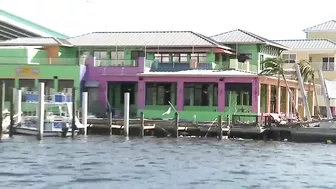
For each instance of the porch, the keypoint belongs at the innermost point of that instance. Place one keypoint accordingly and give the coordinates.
(198, 98)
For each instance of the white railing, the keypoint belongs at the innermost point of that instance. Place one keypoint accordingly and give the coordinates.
(115, 63)
(243, 66)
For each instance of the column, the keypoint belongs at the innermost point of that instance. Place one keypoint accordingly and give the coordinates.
(221, 96)
(278, 99)
(180, 96)
(256, 96)
(287, 100)
(268, 98)
(56, 85)
(141, 94)
(103, 93)
(296, 98)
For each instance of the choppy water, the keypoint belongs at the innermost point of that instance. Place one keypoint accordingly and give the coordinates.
(113, 163)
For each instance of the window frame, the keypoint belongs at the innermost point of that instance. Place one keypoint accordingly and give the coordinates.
(289, 60)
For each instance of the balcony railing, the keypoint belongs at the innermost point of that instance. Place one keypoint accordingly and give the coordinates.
(43, 61)
(115, 63)
(152, 65)
(324, 66)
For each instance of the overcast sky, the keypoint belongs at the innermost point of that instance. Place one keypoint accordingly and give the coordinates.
(283, 19)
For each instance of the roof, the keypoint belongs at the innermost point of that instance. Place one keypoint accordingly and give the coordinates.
(35, 41)
(27, 26)
(241, 36)
(321, 44)
(323, 27)
(203, 73)
(145, 38)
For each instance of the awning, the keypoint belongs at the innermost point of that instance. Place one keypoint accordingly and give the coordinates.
(91, 84)
(331, 88)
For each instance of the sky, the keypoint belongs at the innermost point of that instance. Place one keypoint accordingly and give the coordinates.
(281, 19)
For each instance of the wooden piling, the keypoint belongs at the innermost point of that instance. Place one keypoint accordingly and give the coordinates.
(73, 124)
(175, 134)
(2, 104)
(142, 125)
(126, 113)
(220, 128)
(40, 111)
(11, 109)
(110, 123)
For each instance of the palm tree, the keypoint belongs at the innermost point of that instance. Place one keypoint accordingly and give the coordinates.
(308, 75)
(274, 67)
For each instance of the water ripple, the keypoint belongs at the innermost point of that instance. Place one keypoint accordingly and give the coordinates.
(102, 162)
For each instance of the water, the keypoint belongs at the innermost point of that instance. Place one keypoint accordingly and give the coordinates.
(186, 163)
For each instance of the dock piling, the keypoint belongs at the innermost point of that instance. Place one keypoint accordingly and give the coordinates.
(2, 103)
(11, 111)
(142, 124)
(110, 123)
(220, 127)
(84, 111)
(126, 113)
(40, 111)
(175, 134)
(18, 105)
(73, 124)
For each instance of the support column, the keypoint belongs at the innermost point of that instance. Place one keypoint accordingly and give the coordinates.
(180, 96)
(278, 99)
(103, 93)
(141, 94)
(287, 101)
(221, 96)
(268, 98)
(256, 96)
(296, 98)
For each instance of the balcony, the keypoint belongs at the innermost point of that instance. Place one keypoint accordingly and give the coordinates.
(155, 66)
(42, 61)
(98, 67)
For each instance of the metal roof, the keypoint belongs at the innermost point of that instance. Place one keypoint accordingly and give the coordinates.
(145, 38)
(323, 27)
(35, 41)
(25, 27)
(308, 44)
(241, 36)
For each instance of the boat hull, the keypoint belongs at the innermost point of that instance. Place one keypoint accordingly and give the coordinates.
(46, 133)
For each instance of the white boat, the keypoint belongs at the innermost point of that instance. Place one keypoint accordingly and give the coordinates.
(58, 121)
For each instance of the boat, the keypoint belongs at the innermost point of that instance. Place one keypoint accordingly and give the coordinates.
(57, 122)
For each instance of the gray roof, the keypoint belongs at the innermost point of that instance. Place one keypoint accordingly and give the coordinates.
(308, 43)
(149, 39)
(325, 26)
(35, 41)
(243, 37)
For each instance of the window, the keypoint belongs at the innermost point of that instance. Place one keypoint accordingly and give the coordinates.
(162, 58)
(180, 58)
(245, 58)
(261, 62)
(202, 94)
(200, 57)
(117, 55)
(328, 64)
(100, 55)
(163, 93)
(289, 58)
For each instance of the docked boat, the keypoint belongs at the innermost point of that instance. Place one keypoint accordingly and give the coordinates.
(57, 122)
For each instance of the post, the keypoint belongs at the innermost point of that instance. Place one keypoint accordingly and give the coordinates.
(110, 122)
(303, 93)
(84, 111)
(73, 124)
(142, 124)
(40, 111)
(126, 113)
(19, 105)
(175, 135)
(220, 128)
(11, 109)
(1, 107)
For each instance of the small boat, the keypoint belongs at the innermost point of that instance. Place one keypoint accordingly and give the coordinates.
(57, 122)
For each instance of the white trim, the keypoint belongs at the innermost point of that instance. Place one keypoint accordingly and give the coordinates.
(290, 53)
(23, 26)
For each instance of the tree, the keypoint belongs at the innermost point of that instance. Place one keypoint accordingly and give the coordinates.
(308, 75)
(274, 67)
